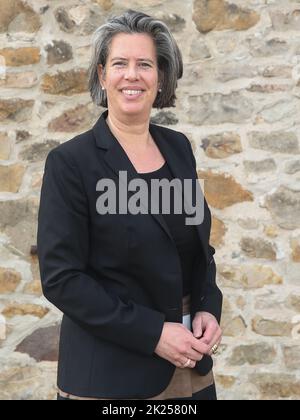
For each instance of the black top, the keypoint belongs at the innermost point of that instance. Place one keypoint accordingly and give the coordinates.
(185, 236)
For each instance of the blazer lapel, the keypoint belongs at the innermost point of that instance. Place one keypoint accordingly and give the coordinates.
(117, 159)
(180, 169)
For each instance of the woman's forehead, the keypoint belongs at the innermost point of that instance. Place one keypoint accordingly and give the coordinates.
(135, 44)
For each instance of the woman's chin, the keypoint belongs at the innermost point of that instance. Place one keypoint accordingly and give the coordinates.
(132, 109)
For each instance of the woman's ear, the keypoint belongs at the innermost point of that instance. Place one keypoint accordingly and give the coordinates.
(100, 72)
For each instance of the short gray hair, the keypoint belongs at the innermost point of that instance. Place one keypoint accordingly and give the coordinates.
(169, 58)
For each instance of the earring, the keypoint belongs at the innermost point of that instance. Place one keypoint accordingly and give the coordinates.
(103, 88)
(159, 90)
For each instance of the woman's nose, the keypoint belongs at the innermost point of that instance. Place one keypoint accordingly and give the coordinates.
(131, 72)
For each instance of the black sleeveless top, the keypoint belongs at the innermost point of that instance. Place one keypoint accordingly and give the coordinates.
(185, 236)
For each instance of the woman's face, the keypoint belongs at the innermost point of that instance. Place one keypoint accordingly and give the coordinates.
(131, 78)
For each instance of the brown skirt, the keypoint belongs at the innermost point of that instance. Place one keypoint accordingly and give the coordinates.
(184, 382)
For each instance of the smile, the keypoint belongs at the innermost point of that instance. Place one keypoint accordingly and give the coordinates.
(132, 94)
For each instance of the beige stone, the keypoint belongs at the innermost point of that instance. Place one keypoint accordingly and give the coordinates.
(76, 119)
(11, 177)
(219, 146)
(247, 276)
(25, 56)
(218, 230)
(240, 302)
(232, 71)
(284, 205)
(17, 16)
(271, 231)
(282, 21)
(66, 83)
(36, 382)
(225, 381)
(9, 280)
(83, 19)
(38, 151)
(232, 324)
(37, 180)
(292, 167)
(293, 302)
(253, 354)
(259, 166)
(292, 357)
(276, 386)
(5, 146)
(176, 23)
(165, 118)
(199, 50)
(270, 300)
(269, 88)
(219, 15)
(261, 47)
(277, 71)
(218, 108)
(283, 109)
(295, 245)
(271, 328)
(258, 248)
(248, 223)
(105, 4)
(20, 80)
(34, 288)
(234, 327)
(18, 222)
(279, 141)
(3, 329)
(222, 190)
(16, 109)
(15, 309)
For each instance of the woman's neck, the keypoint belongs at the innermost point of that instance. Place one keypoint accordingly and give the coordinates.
(135, 136)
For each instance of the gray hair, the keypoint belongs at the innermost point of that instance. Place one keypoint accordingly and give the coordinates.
(169, 58)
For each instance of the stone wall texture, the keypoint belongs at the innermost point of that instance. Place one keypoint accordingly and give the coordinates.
(238, 103)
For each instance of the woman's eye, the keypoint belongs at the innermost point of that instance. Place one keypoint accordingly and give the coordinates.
(123, 64)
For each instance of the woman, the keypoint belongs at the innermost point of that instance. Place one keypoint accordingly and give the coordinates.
(137, 289)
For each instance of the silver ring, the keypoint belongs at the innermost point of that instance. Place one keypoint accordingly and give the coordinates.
(187, 363)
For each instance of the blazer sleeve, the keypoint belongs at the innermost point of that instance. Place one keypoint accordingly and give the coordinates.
(63, 251)
(210, 298)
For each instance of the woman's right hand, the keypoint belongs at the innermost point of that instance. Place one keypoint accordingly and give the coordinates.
(177, 344)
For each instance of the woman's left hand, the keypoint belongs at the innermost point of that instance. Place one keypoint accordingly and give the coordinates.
(206, 328)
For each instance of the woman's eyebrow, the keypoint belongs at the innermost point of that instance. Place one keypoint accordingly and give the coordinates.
(139, 59)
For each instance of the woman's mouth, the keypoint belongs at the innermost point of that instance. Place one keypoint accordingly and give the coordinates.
(132, 94)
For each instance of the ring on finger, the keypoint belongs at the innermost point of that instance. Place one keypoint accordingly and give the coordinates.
(187, 363)
(214, 349)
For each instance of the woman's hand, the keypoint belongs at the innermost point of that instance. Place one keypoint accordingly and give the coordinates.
(177, 344)
(207, 330)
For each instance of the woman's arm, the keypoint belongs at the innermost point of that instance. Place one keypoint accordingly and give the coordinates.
(211, 298)
(63, 251)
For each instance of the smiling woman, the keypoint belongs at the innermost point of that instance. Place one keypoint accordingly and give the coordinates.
(137, 289)
(131, 82)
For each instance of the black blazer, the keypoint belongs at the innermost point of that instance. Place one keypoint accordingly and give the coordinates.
(116, 277)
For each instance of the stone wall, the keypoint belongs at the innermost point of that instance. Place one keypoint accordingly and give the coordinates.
(238, 103)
